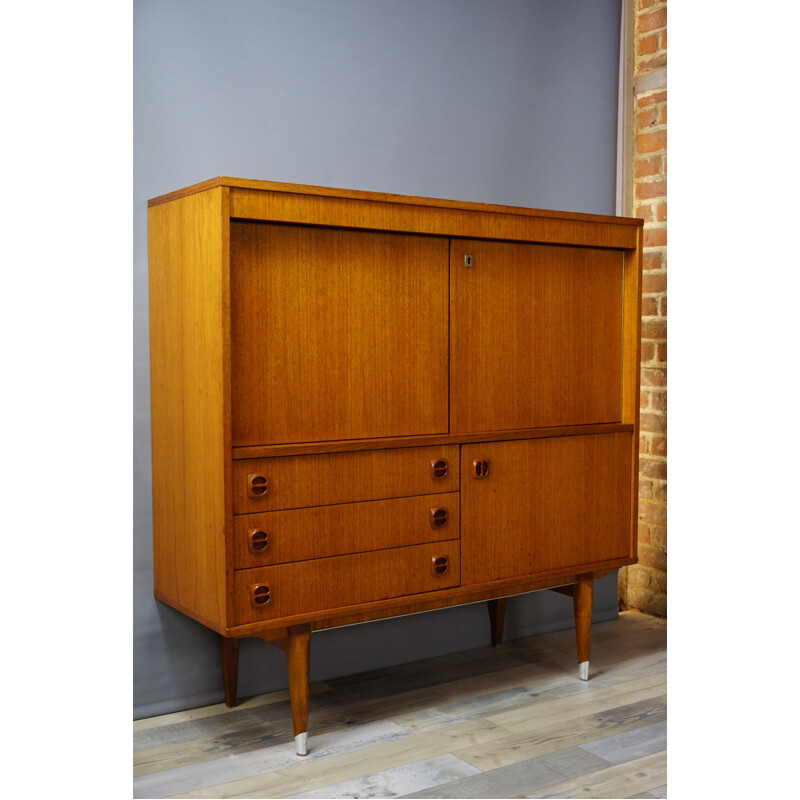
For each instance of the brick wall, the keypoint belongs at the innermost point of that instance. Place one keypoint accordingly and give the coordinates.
(644, 585)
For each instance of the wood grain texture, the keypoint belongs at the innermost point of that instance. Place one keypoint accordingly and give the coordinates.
(340, 581)
(189, 402)
(553, 717)
(631, 375)
(535, 336)
(316, 480)
(229, 656)
(354, 445)
(546, 504)
(416, 604)
(497, 619)
(436, 220)
(336, 334)
(323, 531)
(298, 660)
(430, 202)
(582, 594)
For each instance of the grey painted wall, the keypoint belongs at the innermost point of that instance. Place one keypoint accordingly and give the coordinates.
(496, 101)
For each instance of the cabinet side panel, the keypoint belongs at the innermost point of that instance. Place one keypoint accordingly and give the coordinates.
(187, 354)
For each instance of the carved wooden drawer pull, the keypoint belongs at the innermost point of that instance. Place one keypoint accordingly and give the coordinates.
(439, 468)
(438, 517)
(259, 595)
(480, 468)
(440, 565)
(257, 540)
(257, 485)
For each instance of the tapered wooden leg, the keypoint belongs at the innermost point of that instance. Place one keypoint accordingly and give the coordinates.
(582, 602)
(229, 654)
(497, 619)
(298, 652)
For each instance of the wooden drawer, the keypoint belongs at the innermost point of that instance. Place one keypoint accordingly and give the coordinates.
(300, 534)
(270, 484)
(285, 590)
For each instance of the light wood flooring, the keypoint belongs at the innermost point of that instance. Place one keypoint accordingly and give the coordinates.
(507, 722)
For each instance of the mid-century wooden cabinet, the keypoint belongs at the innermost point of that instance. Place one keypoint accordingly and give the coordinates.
(366, 405)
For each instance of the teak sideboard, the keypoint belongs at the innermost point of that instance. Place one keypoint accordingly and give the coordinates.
(367, 405)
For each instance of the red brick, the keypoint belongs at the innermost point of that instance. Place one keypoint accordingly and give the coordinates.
(651, 142)
(647, 44)
(658, 402)
(653, 469)
(658, 445)
(646, 4)
(658, 536)
(647, 118)
(653, 423)
(653, 20)
(664, 39)
(651, 99)
(655, 237)
(661, 352)
(663, 311)
(661, 211)
(648, 352)
(647, 189)
(644, 402)
(645, 212)
(649, 306)
(653, 284)
(643, 533)
(650, 556)
(660, 492)
(662, 117)
(652, 261)
(650, 63)
(645, 490)
(646, 167)
(644, 445)
(653, 512)
(654, 377)
(655, 329)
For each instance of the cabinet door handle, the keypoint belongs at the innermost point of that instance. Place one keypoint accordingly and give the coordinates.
(257, 540)
(440, 565)
(438, 517)
(439, 468)
(259, 595)
(480, 468)
(257, 485)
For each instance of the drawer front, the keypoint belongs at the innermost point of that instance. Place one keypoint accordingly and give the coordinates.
(271, 484)
(300, 534)
(268, 593)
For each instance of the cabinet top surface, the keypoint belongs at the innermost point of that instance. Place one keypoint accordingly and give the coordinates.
(379, 197)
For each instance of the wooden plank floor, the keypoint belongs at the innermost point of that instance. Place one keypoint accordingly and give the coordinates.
(507, 722)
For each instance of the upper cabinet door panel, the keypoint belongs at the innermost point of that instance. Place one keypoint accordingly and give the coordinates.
(535, 336)
(336, 334)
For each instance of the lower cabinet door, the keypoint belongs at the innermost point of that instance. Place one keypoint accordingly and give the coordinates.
(538, 505)
(285, 590)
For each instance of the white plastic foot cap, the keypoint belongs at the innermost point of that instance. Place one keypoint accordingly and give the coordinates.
(301, 743)
(583, 670)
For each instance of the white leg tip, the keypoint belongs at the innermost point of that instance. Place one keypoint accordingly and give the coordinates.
(583, 670)
(301, 743)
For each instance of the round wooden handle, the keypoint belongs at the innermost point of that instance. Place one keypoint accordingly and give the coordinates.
(480, 468)
(257, 540)
(440, 565)
(438, 517)
(257, 485)
(259, 595)
(439, 468)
